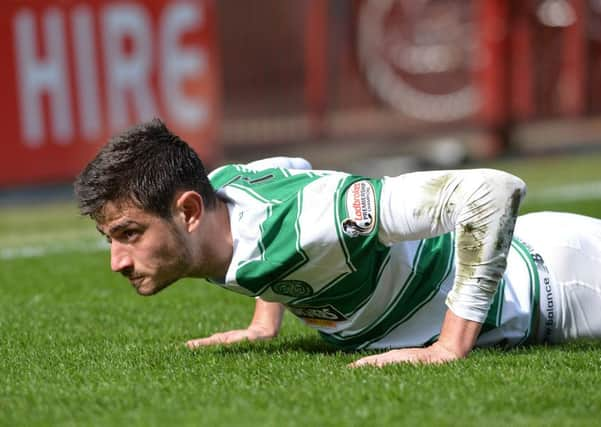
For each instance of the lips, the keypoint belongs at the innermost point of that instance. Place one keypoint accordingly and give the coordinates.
(136, 281)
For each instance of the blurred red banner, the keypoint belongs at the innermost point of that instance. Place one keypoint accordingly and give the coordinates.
(75, 72)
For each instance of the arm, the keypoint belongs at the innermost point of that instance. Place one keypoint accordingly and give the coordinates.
(264, 325)
(481, 207)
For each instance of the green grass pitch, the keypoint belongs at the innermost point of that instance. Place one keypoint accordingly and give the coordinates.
(79, 348)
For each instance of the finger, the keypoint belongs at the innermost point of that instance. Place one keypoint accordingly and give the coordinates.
(365, 361)
(229, 337)
(202, 342)
(192, 344)
(379, 360)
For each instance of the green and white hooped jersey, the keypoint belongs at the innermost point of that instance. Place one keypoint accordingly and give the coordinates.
(309, 240)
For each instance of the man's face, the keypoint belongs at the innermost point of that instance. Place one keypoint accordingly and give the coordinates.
(150, 251)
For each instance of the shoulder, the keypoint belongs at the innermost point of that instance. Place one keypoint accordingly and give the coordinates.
(228, 173)
(224, 174)
(280, 162)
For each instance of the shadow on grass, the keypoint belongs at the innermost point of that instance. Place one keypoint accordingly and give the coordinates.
(316, 346)
(303, 344)
(578, 346)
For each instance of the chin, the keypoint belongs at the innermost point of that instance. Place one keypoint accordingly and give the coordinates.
(152, 289)
(146, 292)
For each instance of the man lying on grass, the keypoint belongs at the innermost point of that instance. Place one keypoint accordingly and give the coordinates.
(424, 265)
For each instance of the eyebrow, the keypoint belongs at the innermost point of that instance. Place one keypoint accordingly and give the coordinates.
(117, 227)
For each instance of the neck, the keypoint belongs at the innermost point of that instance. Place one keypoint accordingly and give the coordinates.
(215, 246)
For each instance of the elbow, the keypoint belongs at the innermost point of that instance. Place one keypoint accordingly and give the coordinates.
(505, 179)
(515, 185)
(515, 191)
(506, 187)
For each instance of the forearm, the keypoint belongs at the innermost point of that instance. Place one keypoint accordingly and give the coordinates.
(267, 317)
(483, 234)
(479, 205)
(458, 335)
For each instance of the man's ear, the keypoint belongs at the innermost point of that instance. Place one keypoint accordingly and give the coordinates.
(189, 207)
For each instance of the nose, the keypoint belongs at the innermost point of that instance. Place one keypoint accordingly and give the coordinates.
(120, 259)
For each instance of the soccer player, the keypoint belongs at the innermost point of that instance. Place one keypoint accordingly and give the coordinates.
(424, 265)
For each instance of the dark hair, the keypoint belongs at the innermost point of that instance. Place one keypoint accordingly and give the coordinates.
(145, 165)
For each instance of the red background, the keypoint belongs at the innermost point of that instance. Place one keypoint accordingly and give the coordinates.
(22, 164)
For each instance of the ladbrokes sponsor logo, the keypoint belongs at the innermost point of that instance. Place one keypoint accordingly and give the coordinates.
(360, 208)
(323, 316)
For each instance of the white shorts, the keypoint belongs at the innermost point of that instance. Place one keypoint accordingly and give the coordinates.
(570, 246)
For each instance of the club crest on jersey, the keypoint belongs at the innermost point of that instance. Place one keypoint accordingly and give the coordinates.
(292, 288)
(360, 208)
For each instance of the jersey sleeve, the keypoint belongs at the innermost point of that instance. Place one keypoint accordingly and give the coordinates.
(280, 162)
(222, 175)
(479, 205)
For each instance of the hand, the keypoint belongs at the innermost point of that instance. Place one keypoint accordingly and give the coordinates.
(231, 337)
(264, 325)
(434, 354)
